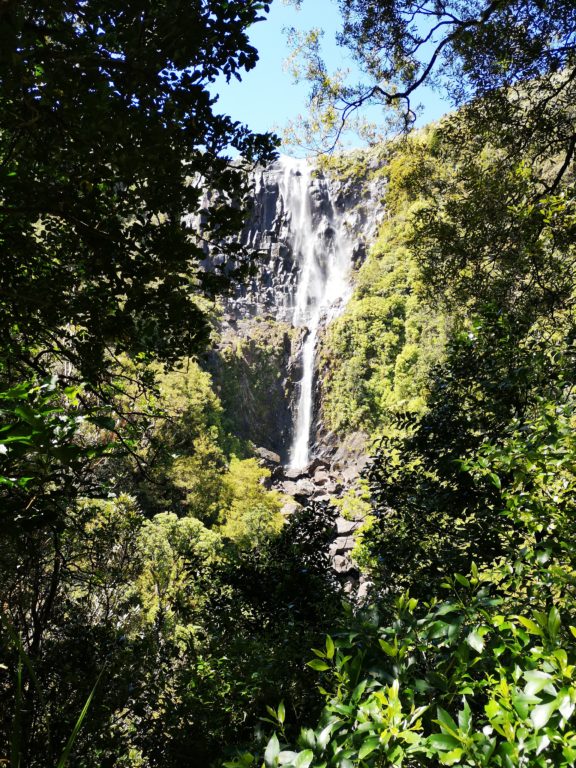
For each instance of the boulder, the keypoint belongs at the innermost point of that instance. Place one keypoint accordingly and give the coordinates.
(346, 527)
(341, 544)
(321, 477)
(290, 508)
(267, 457)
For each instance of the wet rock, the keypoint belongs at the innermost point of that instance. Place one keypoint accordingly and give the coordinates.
(317, 464)
(295, 474)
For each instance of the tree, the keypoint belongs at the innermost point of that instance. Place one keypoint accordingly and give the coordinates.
(109, 135)
(510, 58)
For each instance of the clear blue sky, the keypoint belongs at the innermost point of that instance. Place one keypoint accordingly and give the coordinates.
(267, 97)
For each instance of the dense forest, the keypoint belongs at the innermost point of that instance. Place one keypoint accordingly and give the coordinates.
(163, 604)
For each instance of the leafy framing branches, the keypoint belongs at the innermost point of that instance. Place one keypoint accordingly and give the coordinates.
(108, 137)
(502, 51)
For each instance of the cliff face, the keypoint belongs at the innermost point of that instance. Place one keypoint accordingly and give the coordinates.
(310, 230)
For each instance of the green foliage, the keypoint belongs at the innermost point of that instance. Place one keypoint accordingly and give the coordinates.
(250, 372)
(97, 256)
(253, 515)
(484, 676)
(377, 356)
(170, 549)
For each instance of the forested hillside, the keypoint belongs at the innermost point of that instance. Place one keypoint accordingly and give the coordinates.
(163, 602)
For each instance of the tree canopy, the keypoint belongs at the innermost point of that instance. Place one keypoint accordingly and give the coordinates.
(505, 52)
(109, 135)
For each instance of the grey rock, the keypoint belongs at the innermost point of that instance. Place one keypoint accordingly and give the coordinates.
(290, 508)
(342, 544)
(289, 488)
(294, 474)
(267, 456)
(363, 591)
(305, 487)
(321, 477)
(346, 527)
(342, 564)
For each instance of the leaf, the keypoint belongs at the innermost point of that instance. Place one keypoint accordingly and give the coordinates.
(368, 747)
(475, 641)
(536, 681)
(388, 649)
(553, 622)
(63, 761)
(443, 742)
(462, 580)
(319, 666)
(105, 422)
(330, 648)
(272, 752)
(324, 735)
(495, 480)
(281, 712)
(446, 722)
(530, 625)
(304, 759)
(452, 757)
(565, 704)
(542, 713)
(465, 717)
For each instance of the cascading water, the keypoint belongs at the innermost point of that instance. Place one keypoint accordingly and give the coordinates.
(323, 254)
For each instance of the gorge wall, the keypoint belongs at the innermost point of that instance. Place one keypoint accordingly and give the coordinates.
(310, 229)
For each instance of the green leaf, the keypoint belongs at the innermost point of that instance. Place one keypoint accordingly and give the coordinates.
(495, 480)
(105, 422)
(319, 666)
(281, 712)
(446, 723)
(536, 681)
(465, 717)
(304, 759)
(330, 648)
(553, 622)
(368, 747)
(388, 649)
(475, 641)
(272, 752)
(530, 625)
(452, 757)
(63, 761)
(462, 580)
(542, 713)
(443, 742)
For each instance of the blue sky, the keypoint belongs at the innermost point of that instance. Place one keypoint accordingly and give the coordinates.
(267, 97)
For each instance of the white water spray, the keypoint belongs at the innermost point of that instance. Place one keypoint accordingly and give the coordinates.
(323, 254)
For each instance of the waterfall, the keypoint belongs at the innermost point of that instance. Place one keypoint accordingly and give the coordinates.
(322, 253)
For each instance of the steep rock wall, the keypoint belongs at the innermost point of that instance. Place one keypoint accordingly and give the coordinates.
(339, 205)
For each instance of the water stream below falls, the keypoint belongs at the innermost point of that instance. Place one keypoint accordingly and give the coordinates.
(323, 253)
